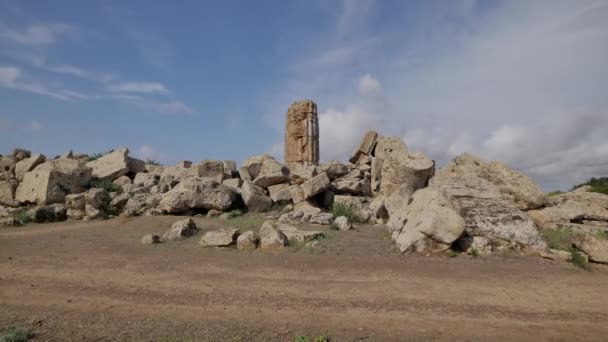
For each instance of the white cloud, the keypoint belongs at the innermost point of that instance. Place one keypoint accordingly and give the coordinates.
(522, 82)
(12, 78)
(139, 87)
(148, 152)
(174, 107)
(35, 126)
(369, 85)
(41, 34)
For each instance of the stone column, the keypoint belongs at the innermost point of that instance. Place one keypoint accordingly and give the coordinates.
(302, 134)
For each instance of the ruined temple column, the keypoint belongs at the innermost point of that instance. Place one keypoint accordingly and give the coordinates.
(302, 134)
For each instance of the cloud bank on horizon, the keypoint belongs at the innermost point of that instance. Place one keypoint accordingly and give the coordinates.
(520, 82)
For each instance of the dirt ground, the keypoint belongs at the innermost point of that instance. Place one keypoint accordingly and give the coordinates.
(94, 281)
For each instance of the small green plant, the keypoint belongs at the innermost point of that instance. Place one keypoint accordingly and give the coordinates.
(555, 193)
(474, 253)
(23, 216)
(14, 334)
(153, 162)
(560, 238)
(451, 253)
(234, 213)
(301, 339)
(577, 259)
(320, 338)
(105, 184)
(602, 234)
(341, 209)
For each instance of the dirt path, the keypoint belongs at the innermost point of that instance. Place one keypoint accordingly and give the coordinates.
(94, 281)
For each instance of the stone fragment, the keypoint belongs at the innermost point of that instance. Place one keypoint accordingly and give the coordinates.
(19, 154)
(353, 186)
(7, 192)
(230, 170)
(234, 183)
(220, 238)
(390, 147)
(298, 236)
(213, 213)
(75, 201)
(596, 248)
(321, 218)
(343, 223)
(150, 239)
(27, 165)
(146, 179)
(556, 254)
(251, 167)
(247, 241)
(197, 193)
(365, 147)
(111, 165)
(271, 237)
(414, 170)
(50, 182)
(279, 193)
(136, 165)
(301, 173)
(47, 213)
(271, 173)
(310, 188)
(212, 169)
(335, 169)
(255, 198)
(122, 181)
(184, 164)
(7, 168)
(97, 198)
(181, 229)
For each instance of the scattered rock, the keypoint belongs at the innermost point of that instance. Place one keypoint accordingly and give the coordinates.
(195, 193)
(111, 165)
(271, 173)
(7, 192)
(321, 218)
(247, 241)
(556, 254)
(181, 229)
(255, 198)
(150, 239)
(596, 248)
(122, 181)
(298, 236)
(271, 237)
(310, 188)
(27, 165)
(280, 193)
(211, 169)
(220, 238)
(366, 146)
(343, 223)
(214, 213)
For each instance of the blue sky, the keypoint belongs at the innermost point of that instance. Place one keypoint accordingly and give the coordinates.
(518, 81)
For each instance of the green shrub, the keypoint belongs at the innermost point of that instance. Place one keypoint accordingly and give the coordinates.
(599, 185)
(14, 334)
(451, 253)
(577, 259)
(555, 193)
(560, 238)
(602, 234)
(340, 209)
(105, 184)
(23, 216)
(474, 252)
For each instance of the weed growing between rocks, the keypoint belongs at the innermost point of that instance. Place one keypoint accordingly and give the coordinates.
(474, 253)
(560, 238)
(23, 216)
(555, 193)
(578, 260)
(320, 338)
(602, 234)
(350, 212)
(105, 184)
(14, 334)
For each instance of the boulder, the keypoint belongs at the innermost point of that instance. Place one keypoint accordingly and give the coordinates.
(146, 179)
(7, 192)
(75, 201)
(375, 174)
(335, 169)
(298, 236)
(310, 188)
(484, 207)
(181, 229)
(184, 164)
(271, 237)
(321, 218)
(392, 147)
(271, 173)
(230, 170)
(234, 183)
(244, 174)
(255, 198)
(556, 254)
(578, 210)
(353, 186)
(48, 213)
(195, 193)
(414, 170)
(515, 186)
(111, 165)
(220, 238)
(122, 181)
(247, 241)
(50, 182)
(97, 198)
(154, 169)
(595, 247)
(428, 224)
(378, 209)
(27, 165)
(343, 223)
(7, 168)
(366, 146)
(251, 167)
(300, 214)
(212, 169)
(213, 213)
(150, 239)
(142, 203)
(301, 173)
(280, 193)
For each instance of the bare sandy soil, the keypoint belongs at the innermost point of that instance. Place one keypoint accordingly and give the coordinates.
(94, 281)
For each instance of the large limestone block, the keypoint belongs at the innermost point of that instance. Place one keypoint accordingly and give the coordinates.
(302, 134)
(515, 186)
(271, 173)
(353, 186)
(27, 165)
(365, 147)
(194, 192)
(45, 186)
(414, 170)
(271, 237)
(247, 241)
(429, 224)
(212, 169)
(596, 248)
(310, 188)
(7, 168)
(111, 165)
(299, 173)
(255, 198)
(390, 147)
(7, 192)
(297, 236)
(251, 167)
(334, 169)
(279, 193)
(136, 165)
(230, 170)
(146, 179)
(220, 238)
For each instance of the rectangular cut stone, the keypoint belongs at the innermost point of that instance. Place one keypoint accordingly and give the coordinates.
(302, 134)
(365, 146)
